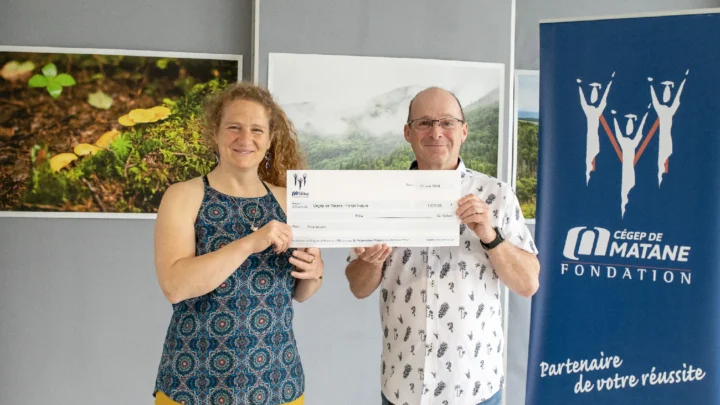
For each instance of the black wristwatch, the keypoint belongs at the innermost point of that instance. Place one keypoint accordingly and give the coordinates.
(498, 239)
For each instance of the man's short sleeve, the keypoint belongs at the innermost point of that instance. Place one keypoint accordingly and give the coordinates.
(513, 227)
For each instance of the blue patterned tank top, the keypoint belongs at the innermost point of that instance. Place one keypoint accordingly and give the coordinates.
(235, 345)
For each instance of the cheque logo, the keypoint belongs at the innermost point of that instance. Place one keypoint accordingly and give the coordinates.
(627, 143)
(630, 252)
(300, 180)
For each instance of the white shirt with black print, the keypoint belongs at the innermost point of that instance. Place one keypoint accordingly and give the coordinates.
(441, 312)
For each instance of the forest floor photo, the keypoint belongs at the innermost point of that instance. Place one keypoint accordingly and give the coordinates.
(101, 133)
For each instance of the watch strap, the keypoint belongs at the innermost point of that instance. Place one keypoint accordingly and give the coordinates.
(498, 239)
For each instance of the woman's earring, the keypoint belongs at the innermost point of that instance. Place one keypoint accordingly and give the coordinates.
(217, 158)
(267, 160)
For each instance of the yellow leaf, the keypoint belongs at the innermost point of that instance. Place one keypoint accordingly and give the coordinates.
(62, 160)
(86, 149)
(100, 100)
(141, 115)
(126, 121)
(106, 138)
(16, 71)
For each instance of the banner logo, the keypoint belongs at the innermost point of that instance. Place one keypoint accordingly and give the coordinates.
(586, 242)
(629, 251)
(626, 142)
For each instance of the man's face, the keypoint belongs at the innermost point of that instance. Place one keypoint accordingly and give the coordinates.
(436, 144)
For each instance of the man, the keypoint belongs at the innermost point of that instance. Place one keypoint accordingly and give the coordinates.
(440, 306)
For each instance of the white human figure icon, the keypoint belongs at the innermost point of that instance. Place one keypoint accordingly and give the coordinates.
(628, 145)
(665, 112)
(593, 110)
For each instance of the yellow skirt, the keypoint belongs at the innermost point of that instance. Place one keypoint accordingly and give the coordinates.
(162, 399)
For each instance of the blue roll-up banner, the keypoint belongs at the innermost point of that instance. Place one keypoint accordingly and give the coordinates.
(628, 213)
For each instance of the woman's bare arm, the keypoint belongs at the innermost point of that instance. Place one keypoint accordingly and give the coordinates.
(181, 274)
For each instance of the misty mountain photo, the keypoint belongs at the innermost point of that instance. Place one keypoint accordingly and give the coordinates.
(358, 124)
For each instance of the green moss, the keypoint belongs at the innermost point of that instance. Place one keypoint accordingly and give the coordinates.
(138, 166)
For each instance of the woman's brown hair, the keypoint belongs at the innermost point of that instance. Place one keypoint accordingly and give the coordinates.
(284, 149)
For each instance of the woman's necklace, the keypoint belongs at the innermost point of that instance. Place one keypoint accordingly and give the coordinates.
(257, 206)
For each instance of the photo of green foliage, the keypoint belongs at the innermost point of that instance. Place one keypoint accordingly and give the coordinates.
(527, 112)
(349, 111)
(99, 131)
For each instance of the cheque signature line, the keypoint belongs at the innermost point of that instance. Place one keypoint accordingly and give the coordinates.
(405, 217)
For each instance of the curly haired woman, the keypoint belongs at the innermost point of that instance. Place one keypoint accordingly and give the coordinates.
(223, 260)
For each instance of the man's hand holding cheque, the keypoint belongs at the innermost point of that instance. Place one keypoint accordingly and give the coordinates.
(475, 213)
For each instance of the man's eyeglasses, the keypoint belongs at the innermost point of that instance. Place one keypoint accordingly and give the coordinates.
(426, 124)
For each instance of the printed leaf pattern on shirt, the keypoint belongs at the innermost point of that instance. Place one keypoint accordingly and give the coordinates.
(406, 256)
(407, 371)
(442, 349)
(408, 294)
(443, 310)
(445, 270)
(463, 269)
(439, 389)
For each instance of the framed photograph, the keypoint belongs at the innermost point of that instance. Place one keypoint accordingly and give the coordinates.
(350, 111)
(525, 153)
(99, 132)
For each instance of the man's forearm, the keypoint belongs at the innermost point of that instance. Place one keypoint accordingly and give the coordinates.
(516, 268)
(363, 277)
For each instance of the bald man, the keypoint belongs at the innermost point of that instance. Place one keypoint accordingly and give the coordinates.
(440, 306)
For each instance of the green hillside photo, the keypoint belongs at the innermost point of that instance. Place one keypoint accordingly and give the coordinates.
(526, 132)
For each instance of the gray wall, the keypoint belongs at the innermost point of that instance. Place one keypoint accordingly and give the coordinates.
(530, 12)
(81, 316)
(210, 26)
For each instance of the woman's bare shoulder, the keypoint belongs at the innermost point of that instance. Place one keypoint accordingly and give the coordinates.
(185, 196)
(189, 188)
(280, 194)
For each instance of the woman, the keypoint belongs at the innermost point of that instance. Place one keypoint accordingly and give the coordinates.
(222, 260)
